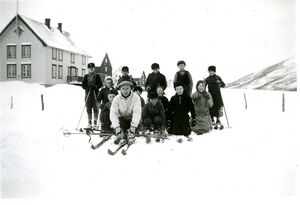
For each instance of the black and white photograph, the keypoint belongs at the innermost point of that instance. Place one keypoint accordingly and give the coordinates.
(149, 102)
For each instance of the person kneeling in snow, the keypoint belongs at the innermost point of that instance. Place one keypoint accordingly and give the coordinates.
(202, 102)
(180, 105)
(154, 114)
(125, 111)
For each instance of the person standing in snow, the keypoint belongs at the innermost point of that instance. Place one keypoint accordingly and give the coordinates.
(91, 83)
(179, 108)
(202, 102)
(184, 77)
(155, 79)
(104, 100)
(125, 112)
(126, 77)
(214, 83)
(153, 115)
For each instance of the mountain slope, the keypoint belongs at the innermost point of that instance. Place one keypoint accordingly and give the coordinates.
(281, 76)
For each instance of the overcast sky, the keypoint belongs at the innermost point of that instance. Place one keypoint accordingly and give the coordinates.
(237, 36)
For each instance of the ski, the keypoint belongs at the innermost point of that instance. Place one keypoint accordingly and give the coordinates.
(105, 139)
(124, 151)
(110, 152)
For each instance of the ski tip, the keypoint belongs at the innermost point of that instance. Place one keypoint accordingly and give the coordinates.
(124, 152)
(110, 152)
(179, 140)
(93, 147)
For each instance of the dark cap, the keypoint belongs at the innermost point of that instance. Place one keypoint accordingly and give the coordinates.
(91, 65)
(125, 69)
(181, 62)
(212, 68)
(155, 66)
(138, 88)
(112, 91)
(152, 95)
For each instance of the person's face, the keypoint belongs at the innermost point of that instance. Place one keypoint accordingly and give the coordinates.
(211, 72)
(179, 90)
(91, 70)
(154, 101)
(201, 87)
(155, 71)
(160, 91)
(138, 92)
(125, 73)
(111, 97)
(181, 67)
(125, 90)
(108, 83)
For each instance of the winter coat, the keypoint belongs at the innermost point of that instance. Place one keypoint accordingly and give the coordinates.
(127, 108)
(164, 100)
(151, 111)
(185, 79)
(142, 102)
(92, 82)
(154, 80)
(214, 83)
(126, 78)
(104, 117)
(202, 102)
(179, 107)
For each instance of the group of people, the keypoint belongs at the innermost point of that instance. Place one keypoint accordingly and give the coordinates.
(123, 110)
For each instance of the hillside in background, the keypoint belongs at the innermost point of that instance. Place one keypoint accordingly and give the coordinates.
(281, 76)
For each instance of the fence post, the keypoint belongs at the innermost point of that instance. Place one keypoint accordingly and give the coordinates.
(246, 105)
(283, 102)
(42, 101)
(11, 102)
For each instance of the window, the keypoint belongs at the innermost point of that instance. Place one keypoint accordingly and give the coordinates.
(11, 70)
(60, 55)
(26, 51)
(26, 70)
(54, 71)
(72, 58)
(105, 69)
(60, 72)
(83, 60)
(54, 53)
(11, 51)
(106, 60)
(82, 72)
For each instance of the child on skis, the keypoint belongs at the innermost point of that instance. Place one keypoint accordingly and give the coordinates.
(103, 100)
(125, 112)
(164, 100)
(214, 83)
(155, 79)
(153, 116)
(202, 102)
(126, 77)
(91, 83)
(179, 108)
(184, 77)
(139, 90)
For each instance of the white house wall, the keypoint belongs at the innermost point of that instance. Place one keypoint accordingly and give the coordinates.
(38, 54)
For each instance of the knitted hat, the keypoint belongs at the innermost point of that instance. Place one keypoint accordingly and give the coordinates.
(138, 88)
(155, 66)
(125, 69)
(91, 65)
(152, 95)
(108, 78)
(212, 68)
(112, 91)
(181, 62)
(125, 82)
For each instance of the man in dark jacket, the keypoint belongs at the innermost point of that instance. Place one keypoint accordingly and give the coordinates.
(155, 79)
(91, 83)
(180, 105)
(214, 83)
(184, 77)
(126, 77)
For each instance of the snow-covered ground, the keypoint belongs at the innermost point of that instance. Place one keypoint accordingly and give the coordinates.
(253, 162)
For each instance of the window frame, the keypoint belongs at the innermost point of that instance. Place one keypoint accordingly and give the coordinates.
(54, 53)
(60, 72)
(15, 51)
(54, 66)
(25, 70)
(23, 51)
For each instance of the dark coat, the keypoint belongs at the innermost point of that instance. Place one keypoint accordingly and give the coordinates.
(152, 111)
(154, 80)
(102, 97)
(179, 108)
(185, 79)
(104, 117)
(214, 84)
(126, 78)
(92, 82)
(164, 100)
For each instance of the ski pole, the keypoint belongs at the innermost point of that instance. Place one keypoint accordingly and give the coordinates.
(226, 116)
(83, 109)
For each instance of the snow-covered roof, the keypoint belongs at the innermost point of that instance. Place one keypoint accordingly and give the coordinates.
(51, 37)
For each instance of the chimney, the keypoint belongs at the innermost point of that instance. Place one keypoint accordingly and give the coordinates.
(47, 22)
(59, 27)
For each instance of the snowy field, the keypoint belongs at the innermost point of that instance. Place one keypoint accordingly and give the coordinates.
(253, 162)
